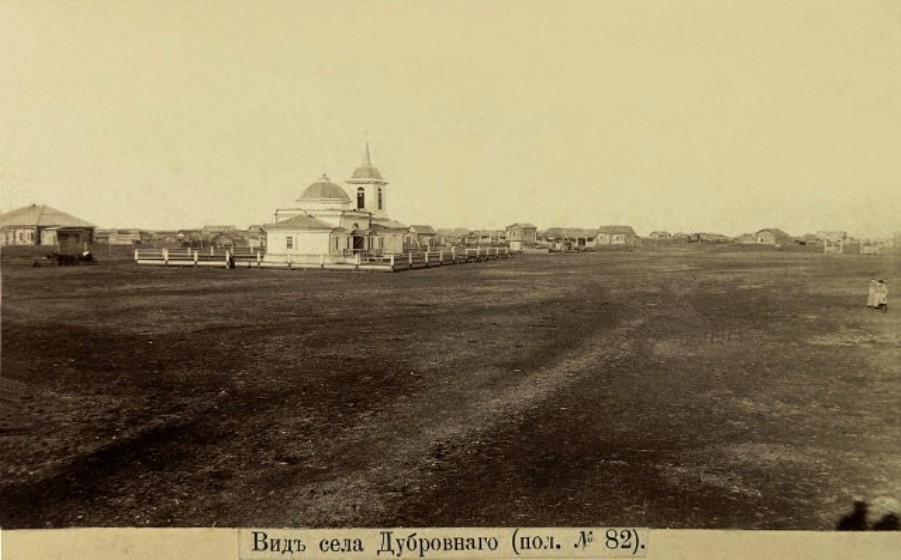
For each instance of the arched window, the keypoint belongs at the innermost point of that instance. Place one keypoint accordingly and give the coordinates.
(361, 198)
(380, 198)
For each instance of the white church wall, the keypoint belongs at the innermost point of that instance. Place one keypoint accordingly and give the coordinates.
(301, 243)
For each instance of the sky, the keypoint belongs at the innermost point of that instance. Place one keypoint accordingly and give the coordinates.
(694, 116)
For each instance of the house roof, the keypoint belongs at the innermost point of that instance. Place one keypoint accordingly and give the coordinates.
(519, 225)
(302, 222)
(569, 233)
(616, 230)
(41, 215)
(228, 235)
(775, 231)
(832, 234)
(712, 236)
(387, 224)
(453, 232)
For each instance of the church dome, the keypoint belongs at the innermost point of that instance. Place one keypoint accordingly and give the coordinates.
(325, 189)
(367, 171)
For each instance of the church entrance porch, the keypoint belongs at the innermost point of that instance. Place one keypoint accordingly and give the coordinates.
(366, 243)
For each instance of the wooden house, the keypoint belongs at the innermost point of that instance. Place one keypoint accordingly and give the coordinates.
(616, 235)
(426, 236)
(524, 233)
(39, 224)
(773, 236)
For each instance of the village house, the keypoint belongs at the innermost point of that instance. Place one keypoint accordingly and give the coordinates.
(39, 224)
(773, 236)
(707, 237)
(326, 225)
(833, 236)
(746, 239)
(426, 236)
(452, 236)
(191, 238)
(569, 239)
(122, 236)
(256, 238)
(616, 235)
(486, 237)
(658, 235)
(555, 239)
(523, 233)
(809, 239)
(225, 237)
(213, 230)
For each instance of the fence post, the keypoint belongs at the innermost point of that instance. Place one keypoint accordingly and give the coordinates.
(454, 253)
(228, 255)
(195, 259)
(410, 258)
(441, 257)
(165, 256)
(392, 261)
(258, 259)
(136, 254)
(321, 260)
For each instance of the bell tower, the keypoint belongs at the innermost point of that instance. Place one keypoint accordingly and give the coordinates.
(368, 189)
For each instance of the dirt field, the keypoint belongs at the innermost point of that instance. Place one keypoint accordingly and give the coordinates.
(662, 389)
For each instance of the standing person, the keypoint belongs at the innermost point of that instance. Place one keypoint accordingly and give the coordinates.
(882, 296)
(871, 293)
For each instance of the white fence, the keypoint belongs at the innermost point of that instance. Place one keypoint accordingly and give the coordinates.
(388, 263)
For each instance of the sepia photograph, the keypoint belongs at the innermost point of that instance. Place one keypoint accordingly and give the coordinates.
(370, 263)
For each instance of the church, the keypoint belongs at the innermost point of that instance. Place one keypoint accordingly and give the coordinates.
(329, 223)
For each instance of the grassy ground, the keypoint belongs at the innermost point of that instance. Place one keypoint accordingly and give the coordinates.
(663, 389)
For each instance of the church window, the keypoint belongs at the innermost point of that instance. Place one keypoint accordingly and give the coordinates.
(289, 242)
(380, 198)
(361, 198)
